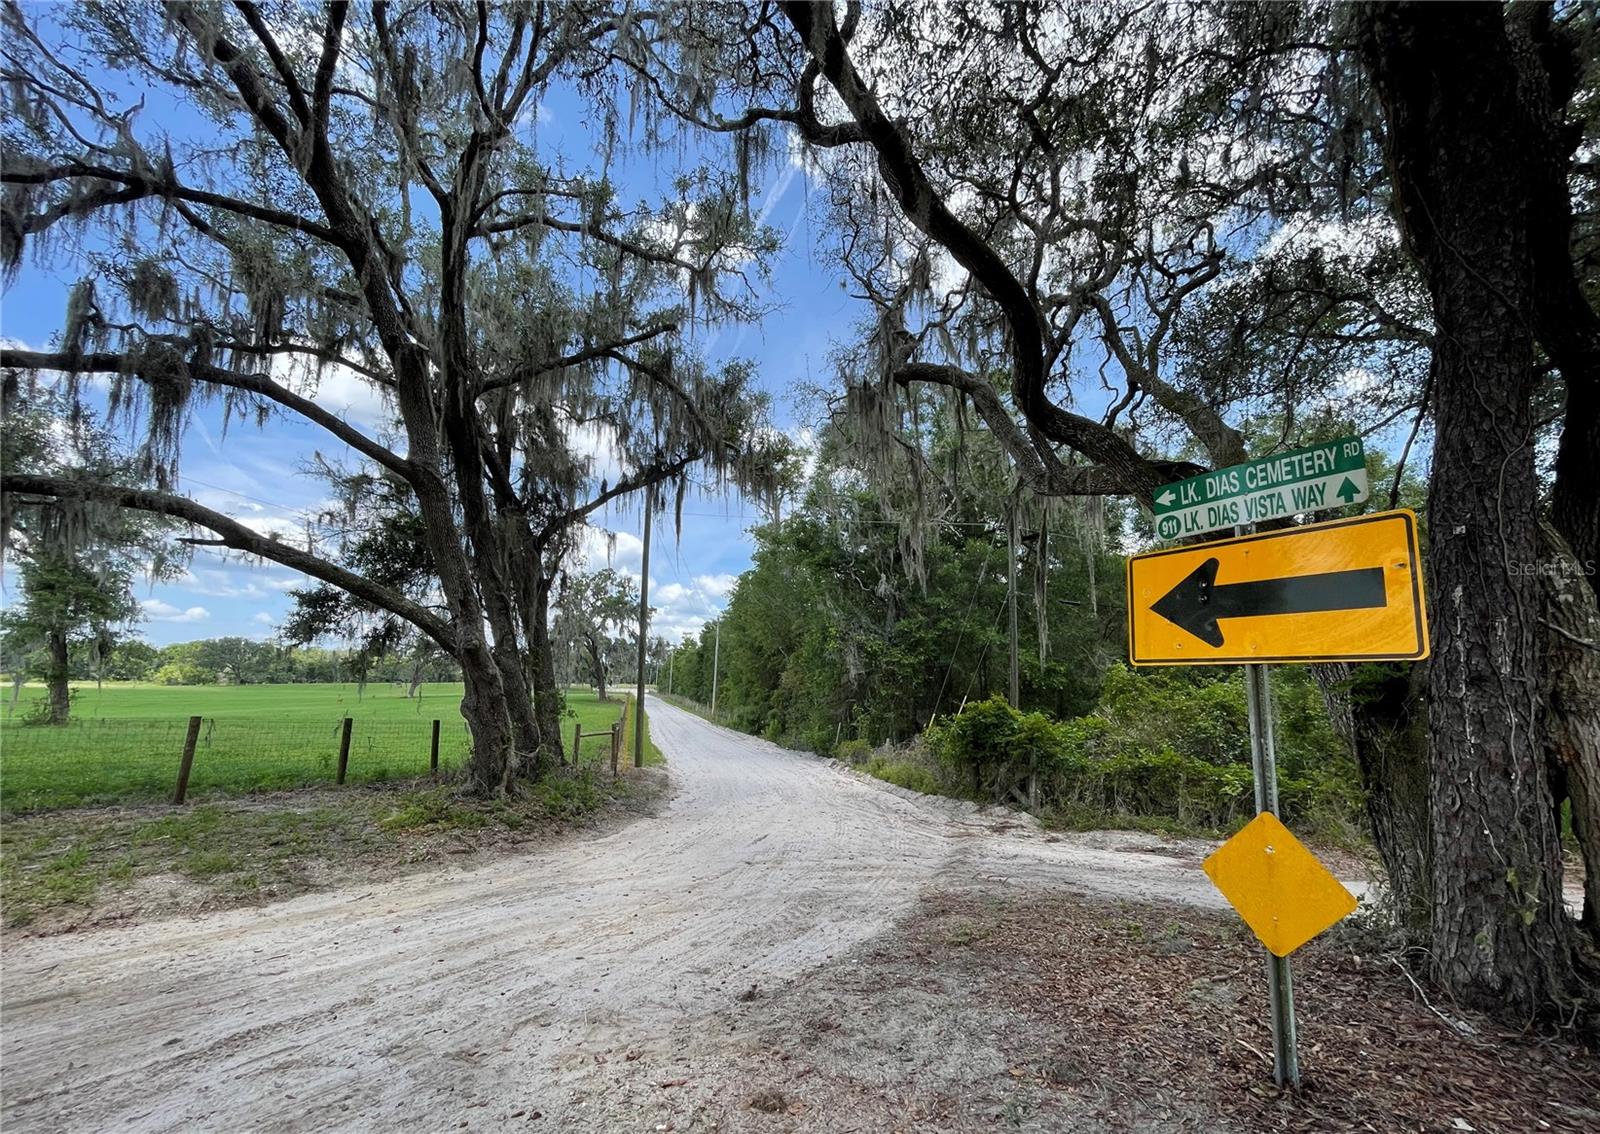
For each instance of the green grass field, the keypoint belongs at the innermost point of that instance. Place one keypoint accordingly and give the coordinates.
(126, 739)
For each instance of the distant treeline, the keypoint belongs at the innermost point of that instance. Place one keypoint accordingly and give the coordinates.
(243, 661)
(828, 644)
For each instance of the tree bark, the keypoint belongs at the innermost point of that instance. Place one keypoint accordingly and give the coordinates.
(483, 703)
(597, 666)
(1381, 713)
(1572, 704)
(541, 662)
(57, 676)
(1500, 935)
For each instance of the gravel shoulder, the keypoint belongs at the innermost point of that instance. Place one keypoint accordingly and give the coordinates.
(638, 980)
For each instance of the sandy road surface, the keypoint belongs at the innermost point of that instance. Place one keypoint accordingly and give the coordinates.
(438, 1000)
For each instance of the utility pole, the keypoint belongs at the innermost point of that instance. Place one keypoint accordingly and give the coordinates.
(716, 661)
(644, 629)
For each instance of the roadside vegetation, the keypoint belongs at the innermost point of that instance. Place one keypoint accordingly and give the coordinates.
(67, 869)
(125, 740)
(68, 860)
(829, 646)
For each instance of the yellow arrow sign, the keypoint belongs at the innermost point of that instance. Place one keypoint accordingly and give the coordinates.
(1277, 886)
(1346, 590)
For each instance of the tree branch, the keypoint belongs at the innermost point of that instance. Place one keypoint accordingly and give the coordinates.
(650, 474)
(169, 358)
(1047, 479)
(235, 535)
(139, 186)
(921, 204)
(576, 358)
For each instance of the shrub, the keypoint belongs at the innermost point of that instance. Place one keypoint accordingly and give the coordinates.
(997, 748)
(904, 773)
(1194, 792)
(41, 713)
(853, 751)
(183, 673)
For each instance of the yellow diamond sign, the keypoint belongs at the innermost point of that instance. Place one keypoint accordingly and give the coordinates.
(1283, 893)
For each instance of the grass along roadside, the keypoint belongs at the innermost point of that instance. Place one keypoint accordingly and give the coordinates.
(68, 869)
(688, 706)
(126, 740)
(652, 755)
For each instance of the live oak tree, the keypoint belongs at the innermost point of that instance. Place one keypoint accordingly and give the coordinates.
(1481, 131)
(362, 191)
(1036, 201)
(77, 564)
(593, 612)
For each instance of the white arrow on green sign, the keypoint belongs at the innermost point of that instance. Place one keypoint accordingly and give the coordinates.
(1329, 475)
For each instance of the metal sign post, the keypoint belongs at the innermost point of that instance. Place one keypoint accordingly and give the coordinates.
(1264, 766)
(1344, 590)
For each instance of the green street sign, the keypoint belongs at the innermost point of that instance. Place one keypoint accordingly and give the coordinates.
(1329, 475)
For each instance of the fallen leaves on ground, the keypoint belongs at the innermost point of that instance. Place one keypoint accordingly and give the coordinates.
(1157, 1013)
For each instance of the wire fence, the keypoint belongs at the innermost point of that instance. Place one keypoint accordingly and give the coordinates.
(109, 760)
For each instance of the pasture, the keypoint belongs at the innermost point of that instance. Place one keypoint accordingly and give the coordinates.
(125, 739)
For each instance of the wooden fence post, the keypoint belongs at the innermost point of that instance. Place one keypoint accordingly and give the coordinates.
(344, 749)
(433, 757)
(577, 739)
(189, 741)
(616, 745)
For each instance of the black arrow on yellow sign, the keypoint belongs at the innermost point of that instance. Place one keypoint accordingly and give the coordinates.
(1197, 603)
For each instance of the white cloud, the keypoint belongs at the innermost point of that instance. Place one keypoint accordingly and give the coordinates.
(339, 389)
(621, 550)
(354, 398)
(157, 611)
(264, 618)
(681, 606)
(285, 529)
(594, 444)
(719, 586)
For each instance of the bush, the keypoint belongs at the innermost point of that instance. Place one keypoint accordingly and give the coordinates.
(569, 794)
(1194, 792)
(183, 673)
(996, 748)
(853, 751)
(41, 713)
(1130, 759)
(904, 773)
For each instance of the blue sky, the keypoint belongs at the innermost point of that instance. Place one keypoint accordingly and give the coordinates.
(258, 475)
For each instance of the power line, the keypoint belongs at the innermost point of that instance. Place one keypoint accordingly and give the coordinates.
(241, 495)
(851, 520)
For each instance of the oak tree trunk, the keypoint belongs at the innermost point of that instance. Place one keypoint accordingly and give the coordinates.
(597, 669)
(1572, 704)
(484, 702)
(1500, 935)
(1380, 711)
(547, 702)
(57, 676)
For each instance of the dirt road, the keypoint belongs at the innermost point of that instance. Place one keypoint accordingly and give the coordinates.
(492, 997)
